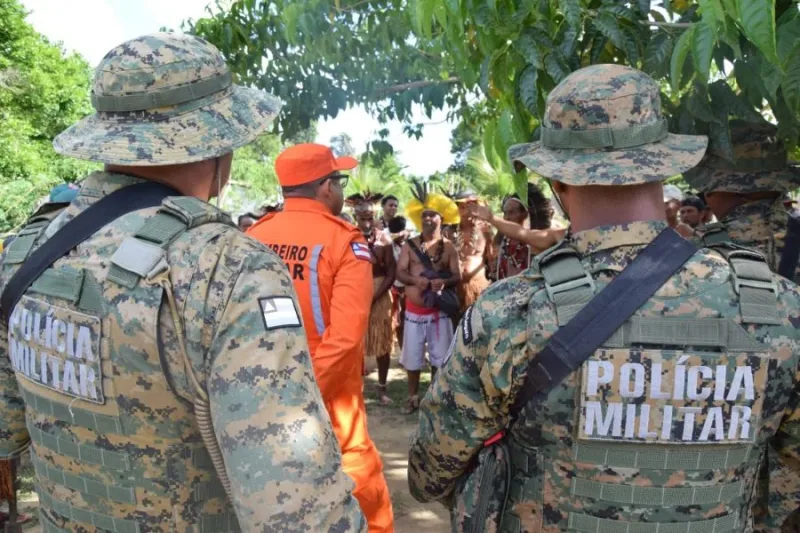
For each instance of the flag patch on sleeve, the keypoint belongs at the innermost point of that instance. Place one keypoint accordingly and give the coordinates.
(279, 312)
(361, 251)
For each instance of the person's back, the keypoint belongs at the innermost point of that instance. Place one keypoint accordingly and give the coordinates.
(331, 269)
(747, 196)
(160, 391)
(664, 425)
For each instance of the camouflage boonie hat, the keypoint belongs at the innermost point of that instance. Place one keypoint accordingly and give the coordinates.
(603, 126)
(761, 163)
(165, 99)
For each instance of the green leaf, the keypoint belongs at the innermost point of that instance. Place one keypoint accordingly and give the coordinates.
(520, 180)
(757, 18)
(712, 12)
(679, 57)
(631, 46)
(528, 91)
(489, 133)
(700, 108)
(290, 15)
(730, 7)
(598, 47)
(572, 12)
(529, 48)
(505, 134)
(748, 79)
(658, 52)
(730, 36)
(607, 24)
(771, 76)
(569, 41)
(788, 40)
(724, 99)
(703, 42)
(556, 67)
(791, 86)
(484, 79)
(719, 135)
(619, 11)
(424, 15)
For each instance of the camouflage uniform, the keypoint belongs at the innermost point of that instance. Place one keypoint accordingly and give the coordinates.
(760, 166)
(116, 378)
(642, 438)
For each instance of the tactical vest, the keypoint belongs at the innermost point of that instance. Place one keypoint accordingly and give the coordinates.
(115, 439)
(662, 434)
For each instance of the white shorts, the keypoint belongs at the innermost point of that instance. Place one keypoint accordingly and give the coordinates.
(433, 332)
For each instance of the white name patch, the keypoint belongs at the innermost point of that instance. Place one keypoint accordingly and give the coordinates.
(279, 312)
(672, 397)
(57, 348)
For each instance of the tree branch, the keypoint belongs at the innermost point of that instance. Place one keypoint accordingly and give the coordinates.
(385, 91)
(670, 25)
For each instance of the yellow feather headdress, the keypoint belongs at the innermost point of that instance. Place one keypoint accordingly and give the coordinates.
(430, 201)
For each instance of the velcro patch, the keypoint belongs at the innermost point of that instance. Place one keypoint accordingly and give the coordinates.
(57, 348)
(466, 326)
(672, 397)
(361, 251)
(279, 312)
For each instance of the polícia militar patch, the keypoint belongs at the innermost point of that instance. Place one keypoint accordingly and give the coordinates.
(672, 397)
(57, 348)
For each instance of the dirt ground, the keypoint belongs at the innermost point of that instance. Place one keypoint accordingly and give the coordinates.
(391, 430)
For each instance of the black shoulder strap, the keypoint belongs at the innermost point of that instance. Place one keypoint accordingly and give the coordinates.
(791, 249)
(602, 316)
(83, 226)
(423, 257)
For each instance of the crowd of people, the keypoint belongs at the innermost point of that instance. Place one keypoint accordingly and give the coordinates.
(637, 371)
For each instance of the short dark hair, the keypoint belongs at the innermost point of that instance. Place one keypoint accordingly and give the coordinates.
(307, 190)
(244, 216)
(386, 199)
(397, 224)
(693, 201)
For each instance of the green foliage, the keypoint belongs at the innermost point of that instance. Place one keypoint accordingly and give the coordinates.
(254, 182)
(389, 54)
(551, 38)
(321, 56)
(42, 92)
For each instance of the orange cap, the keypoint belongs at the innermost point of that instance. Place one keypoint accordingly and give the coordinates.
(304, 163)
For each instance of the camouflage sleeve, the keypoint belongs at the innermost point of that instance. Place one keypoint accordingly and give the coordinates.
(13, 433)
(277, 440)
(781, 479)
(463, 408)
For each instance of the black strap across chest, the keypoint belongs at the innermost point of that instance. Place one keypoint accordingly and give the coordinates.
(77, 230)
(572, 344)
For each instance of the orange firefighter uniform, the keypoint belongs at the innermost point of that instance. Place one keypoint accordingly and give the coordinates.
(330, 265)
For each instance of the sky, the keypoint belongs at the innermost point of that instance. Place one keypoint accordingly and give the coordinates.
(93, 27)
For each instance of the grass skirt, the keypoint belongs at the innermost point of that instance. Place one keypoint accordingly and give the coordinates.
(379, 338)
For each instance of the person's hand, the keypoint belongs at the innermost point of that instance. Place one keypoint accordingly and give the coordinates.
(481, 211)
(684, 230)
(422, 283)
(437, 285)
